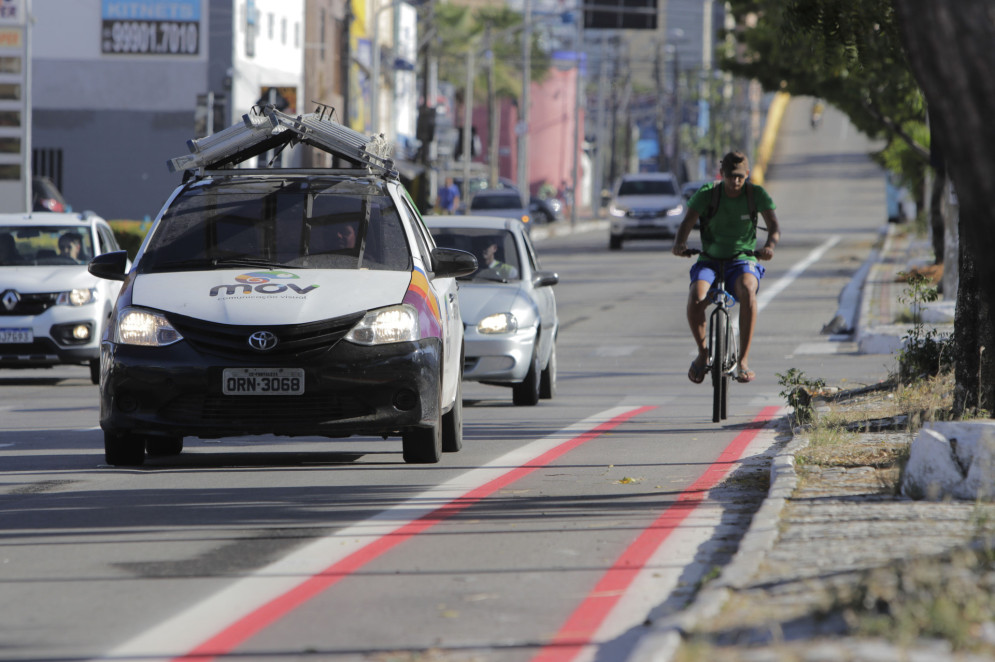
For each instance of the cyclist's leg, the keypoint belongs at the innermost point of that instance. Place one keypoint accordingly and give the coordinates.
(702, 277)
(745, 286)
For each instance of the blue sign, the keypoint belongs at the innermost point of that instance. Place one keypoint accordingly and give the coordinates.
(151, 10)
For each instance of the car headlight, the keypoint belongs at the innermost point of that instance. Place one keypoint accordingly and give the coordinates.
(144, 327)
(676, 211)
(615, 210)
(77, 297)
(386, 325)
(498, 323)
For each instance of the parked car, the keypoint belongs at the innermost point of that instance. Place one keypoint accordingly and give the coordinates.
(690, 188)
(289, 303)
(52, 312)
(46, 196)
(545, 210)
(646, 205)
(508, 306)
(503, 202)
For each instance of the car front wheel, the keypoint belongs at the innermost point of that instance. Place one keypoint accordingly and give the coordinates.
(547, 381)
(163, 446)
(124, 449)
(423, 445)
(452, 424)
(527, 392)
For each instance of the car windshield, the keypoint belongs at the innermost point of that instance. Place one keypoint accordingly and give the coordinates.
(501, 201)
(304, 224)
(33, 245)
(496, 251)
(647, 187)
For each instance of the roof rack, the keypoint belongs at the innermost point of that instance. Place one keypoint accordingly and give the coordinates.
(266, 128)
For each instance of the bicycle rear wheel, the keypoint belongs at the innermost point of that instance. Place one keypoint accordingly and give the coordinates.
(719, 328)
(730, 357)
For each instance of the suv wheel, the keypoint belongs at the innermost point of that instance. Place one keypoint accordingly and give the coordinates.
(162, 446)
(95, 371)
(124, 449)
(614, 242)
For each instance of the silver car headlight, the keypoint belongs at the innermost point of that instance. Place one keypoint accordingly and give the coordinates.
(615, 210)
(144, 327)
(78, 297)
(386, 325)
(676, 211)
(498, 323)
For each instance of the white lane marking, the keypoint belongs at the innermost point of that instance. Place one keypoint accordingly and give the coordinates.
(767, 294)
(821, 348)
(181, 633)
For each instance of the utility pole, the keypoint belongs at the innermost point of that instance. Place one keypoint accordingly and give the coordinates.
(578, 92)
(525, 106)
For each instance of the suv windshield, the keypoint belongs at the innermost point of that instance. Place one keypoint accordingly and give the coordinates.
(301, 223)
(44, 245)
(647, 187)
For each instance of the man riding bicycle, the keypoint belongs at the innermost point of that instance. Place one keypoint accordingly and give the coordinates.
(728, 228)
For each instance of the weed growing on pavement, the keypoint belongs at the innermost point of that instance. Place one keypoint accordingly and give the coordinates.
(925, 353)
(799, 391)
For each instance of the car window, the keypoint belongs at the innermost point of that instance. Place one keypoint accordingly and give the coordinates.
(291, 223)
(647, 187)
(422, 235)
(107, 240)
(488, 245)
(503, 201)
(44, 245)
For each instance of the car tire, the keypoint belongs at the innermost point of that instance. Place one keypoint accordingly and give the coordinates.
(95, 371)
(547, 381)
(164, 446)
(423, 445)
(614, 242)
(452, 423)
(124, 449)
(526, 393)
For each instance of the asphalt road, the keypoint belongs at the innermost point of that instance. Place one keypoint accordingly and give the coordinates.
(552, 535)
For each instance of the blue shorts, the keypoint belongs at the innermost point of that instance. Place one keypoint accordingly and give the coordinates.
(705, 270)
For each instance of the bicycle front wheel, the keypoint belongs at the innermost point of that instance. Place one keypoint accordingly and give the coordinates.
(719, 342)
(730, 358)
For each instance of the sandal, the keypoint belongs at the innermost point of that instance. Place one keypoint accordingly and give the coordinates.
(697, 373)
(745, 376)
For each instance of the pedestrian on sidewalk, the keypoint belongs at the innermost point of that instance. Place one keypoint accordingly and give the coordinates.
(448, 197)
(728, 227)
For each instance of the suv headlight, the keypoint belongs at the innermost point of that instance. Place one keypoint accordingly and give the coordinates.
(498, 323)
(386, 325)
(77, 297)
(144, 327)
(615, 210)
(676, 211)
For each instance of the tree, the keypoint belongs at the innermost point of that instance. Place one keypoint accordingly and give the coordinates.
(949, 46)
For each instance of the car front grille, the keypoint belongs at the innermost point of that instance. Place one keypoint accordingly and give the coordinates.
(265, 410)
(30, 304)
(293, 339)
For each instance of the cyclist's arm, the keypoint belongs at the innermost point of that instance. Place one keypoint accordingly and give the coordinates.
(773, 235)
(681, 240)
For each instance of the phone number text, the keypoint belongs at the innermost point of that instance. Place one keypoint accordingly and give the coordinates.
(150, 38)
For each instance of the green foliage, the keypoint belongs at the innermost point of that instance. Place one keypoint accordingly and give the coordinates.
(130, 235)
(924, 354)
(494, 29)
(798, 391)
(848, 52)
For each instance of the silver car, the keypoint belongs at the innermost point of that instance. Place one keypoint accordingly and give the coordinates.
(645, 205)
(508, 306)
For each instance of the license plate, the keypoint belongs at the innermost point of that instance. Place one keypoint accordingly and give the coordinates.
(8, 336)
(263, 381)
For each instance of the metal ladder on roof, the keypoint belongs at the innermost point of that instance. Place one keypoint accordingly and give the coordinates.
(266, 128)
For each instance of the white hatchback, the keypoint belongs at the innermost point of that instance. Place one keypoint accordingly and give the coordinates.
(52, 311)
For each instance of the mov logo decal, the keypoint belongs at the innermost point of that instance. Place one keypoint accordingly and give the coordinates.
(261, 282)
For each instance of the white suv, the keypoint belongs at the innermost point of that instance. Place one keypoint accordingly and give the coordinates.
(52, 311)
(645, 205)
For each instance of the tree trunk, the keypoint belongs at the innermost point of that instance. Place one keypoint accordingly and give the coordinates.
(949, 46)
(936, 221)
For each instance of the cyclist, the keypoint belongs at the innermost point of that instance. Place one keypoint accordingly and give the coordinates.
(729, 231)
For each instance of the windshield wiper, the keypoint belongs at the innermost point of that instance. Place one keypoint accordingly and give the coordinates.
(248, 261)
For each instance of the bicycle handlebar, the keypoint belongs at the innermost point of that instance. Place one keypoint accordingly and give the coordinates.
(697, 251)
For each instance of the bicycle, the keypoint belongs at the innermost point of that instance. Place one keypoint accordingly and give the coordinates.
(722, 343)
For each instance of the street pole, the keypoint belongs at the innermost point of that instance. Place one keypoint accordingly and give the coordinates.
(375, 69)
(578, 40)
(524, 108)
(467, 128)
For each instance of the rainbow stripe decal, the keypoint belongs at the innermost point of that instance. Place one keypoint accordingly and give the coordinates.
(420, 296)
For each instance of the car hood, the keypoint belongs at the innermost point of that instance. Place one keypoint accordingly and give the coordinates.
(478, 300)
(273, 297)
(46, 279)
(649, 201)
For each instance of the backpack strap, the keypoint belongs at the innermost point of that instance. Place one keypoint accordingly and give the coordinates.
(713, 205)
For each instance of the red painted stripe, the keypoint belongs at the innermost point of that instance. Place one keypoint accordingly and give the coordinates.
(585, 621)
(228, 639)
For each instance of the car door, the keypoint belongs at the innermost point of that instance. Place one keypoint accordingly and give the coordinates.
(545, 298)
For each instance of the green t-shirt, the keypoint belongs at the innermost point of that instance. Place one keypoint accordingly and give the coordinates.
(730, 230)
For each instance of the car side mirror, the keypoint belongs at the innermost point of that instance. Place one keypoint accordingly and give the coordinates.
(452, 263)
(545, 278)
(112, 266)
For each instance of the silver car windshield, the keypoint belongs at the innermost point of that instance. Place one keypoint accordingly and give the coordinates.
(33, 245)
(300, 224)
(496, 251)
(647, 187)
